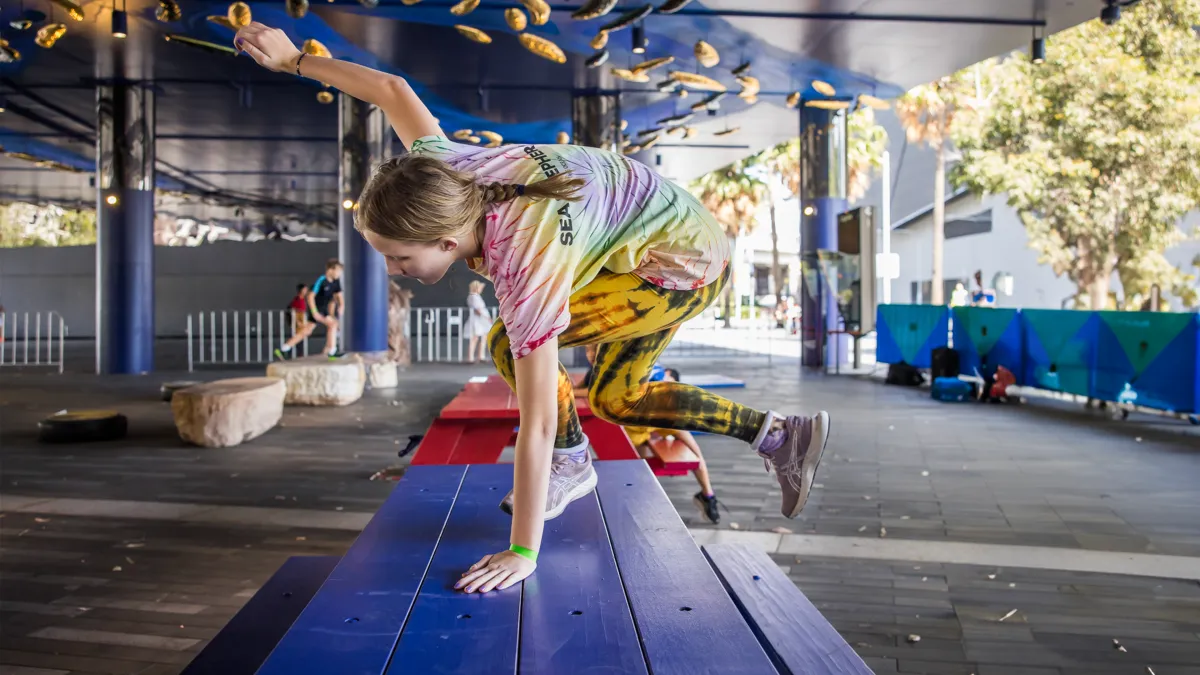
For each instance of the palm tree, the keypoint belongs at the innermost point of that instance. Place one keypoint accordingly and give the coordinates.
(733, 196)
(927, 113)
(866, 141)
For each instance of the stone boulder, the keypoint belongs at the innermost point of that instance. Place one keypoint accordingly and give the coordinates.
(399, 305)
(319, 380)
(382, 372)
(228, 412)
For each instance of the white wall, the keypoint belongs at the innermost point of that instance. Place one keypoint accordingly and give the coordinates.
(222, 275)
(1005, 248)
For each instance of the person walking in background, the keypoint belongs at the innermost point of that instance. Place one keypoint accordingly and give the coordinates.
(324, 306)
(479, 322)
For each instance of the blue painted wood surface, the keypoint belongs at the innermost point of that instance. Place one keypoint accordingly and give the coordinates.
(244, 643)
(450, 631)
(795, 634)
(574, 615)
(351, 626)
(687, 621)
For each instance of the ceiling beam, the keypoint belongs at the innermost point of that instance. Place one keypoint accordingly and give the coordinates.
(763, 14)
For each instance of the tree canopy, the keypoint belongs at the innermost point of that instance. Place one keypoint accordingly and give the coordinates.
(1097, 149)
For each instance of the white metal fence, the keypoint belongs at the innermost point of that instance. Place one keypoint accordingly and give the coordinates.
(232, 337)
(32, 339)
(241, 337)
(439, 335)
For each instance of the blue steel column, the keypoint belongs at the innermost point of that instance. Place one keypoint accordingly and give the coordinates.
(823, 196)
(365, 142)
(124, 228)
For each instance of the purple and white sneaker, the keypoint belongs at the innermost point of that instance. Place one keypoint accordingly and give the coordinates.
(794, 451)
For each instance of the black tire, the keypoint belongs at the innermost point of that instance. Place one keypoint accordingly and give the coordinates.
(168, 389)
(83, 426)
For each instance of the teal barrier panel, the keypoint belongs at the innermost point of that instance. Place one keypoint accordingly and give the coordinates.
(1147, 359)
(986, 337)
(1060, 349)
(910, 333)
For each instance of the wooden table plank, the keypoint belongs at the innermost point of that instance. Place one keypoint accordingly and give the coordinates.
(455, 632)
(687, 621)
(482, 442)
(792, 629)
(352, 624)
(609, 440)
(440, 440)
(574, 615)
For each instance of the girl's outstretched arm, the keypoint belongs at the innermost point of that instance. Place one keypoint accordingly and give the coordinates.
(272, 49)
(537, 397)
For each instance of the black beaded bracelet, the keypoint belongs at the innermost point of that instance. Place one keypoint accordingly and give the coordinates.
(302, 55)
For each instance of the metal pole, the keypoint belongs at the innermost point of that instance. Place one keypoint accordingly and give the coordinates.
(189, 341)
(885, 224)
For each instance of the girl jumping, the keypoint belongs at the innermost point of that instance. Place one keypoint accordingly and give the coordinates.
(584, 247)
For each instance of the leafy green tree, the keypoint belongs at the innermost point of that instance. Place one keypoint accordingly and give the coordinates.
(1097, 148)
(866, 141)
(24, 224)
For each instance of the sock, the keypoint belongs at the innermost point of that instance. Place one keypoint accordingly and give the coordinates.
(285, 348)
(578, 452)
(765, 429)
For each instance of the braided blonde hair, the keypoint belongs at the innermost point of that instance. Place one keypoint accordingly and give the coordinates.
(422, 199)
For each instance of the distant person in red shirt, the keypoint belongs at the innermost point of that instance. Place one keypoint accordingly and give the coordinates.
(301, 326)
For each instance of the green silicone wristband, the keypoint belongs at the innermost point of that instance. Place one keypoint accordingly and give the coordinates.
(526, 553)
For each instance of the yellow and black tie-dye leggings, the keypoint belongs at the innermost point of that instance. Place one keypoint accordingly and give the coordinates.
(632, 321)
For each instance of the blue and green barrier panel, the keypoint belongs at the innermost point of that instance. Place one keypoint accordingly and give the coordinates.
(986, 337)
(1138, 358)
(1060, 349)
(1148, 359)
(910, 333)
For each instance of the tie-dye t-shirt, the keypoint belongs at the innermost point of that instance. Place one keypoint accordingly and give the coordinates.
(537, 253)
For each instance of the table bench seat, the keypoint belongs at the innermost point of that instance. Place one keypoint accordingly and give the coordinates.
(620, 588)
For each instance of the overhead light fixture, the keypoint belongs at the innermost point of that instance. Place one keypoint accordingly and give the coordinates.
(1111, 12)
(1037, 48)
(639, 38)
(111, 200)
(119, 24)
(348, 204)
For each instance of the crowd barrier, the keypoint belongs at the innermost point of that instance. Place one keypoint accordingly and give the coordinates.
(32, 339)
(1147, 359)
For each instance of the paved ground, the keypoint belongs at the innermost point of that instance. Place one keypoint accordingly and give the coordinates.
(133, 592)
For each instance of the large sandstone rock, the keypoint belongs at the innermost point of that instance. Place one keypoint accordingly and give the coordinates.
(228, 412)
(399, 303)
(382, 372)
(318, 380)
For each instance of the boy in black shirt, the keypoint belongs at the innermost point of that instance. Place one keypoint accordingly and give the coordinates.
(325, 304)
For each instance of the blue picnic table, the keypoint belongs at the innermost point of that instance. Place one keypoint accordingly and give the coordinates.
(620, 587)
